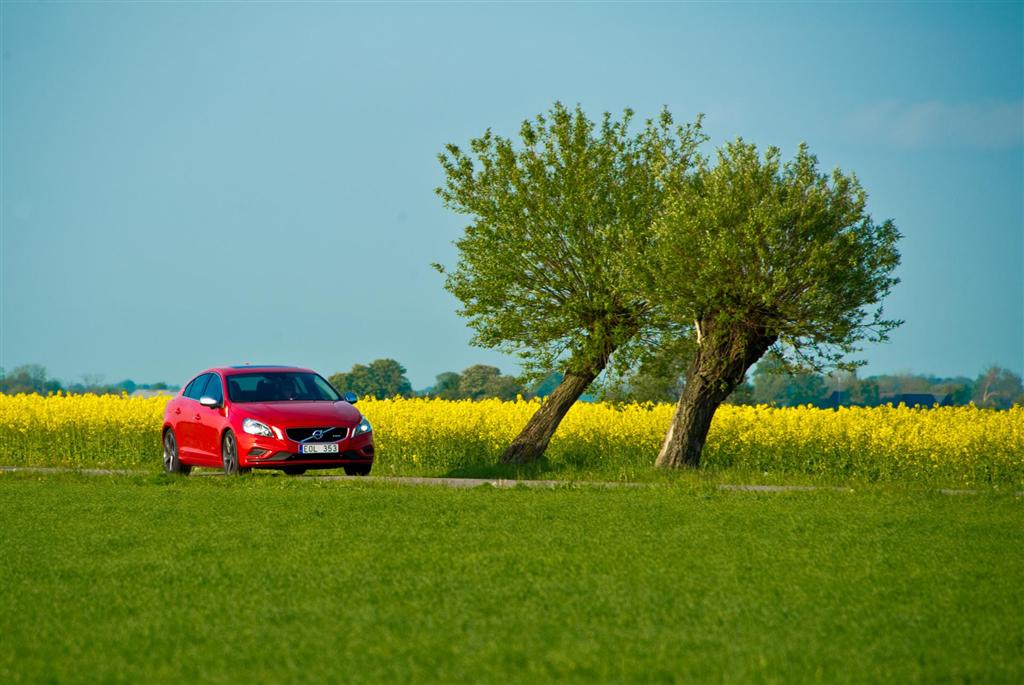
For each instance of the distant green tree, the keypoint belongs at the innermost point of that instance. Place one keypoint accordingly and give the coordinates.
(476, 381)
(770, 380)
(557, 217)
(960, 393)
(505, 388)
(389, 379)
(865, 392)
(775, 383)
(805, 388)
(446, 386)
(659, 376)
(381, 379)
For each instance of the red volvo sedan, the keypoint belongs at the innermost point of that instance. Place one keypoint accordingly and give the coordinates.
(278, 417)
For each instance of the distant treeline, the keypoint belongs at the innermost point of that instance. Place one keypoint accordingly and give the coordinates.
(32, 378)
(386, 378)
(996, 388)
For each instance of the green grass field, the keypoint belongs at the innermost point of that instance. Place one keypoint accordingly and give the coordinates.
(156, 579)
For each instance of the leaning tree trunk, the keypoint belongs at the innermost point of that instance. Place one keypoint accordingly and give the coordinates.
(717, 367)
(531, 442)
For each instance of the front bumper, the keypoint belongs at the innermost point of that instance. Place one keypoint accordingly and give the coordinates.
(256, 451)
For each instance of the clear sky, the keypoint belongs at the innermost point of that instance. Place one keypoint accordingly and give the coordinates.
(189, 184)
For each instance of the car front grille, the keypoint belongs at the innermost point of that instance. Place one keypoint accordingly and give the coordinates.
(308, 435)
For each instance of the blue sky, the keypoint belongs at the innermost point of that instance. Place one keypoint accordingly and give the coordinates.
(193, 184)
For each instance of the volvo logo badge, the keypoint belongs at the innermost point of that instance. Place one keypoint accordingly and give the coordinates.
(317, 434)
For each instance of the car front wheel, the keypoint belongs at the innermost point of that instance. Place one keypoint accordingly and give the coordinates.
(357, 470)
(229, 456)
(172, 460)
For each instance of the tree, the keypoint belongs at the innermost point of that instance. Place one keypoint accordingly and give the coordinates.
(805, 388)
(474, 381)
(556, 221)
(658, 377)
(757, 255)
(776, 383)
(865, 392)
(356, 380)
(998, 388)
(388, 377)
(28, 379)
(960, 393)
(381, 379)
(480, 381)
(770, 381)
(446, 386)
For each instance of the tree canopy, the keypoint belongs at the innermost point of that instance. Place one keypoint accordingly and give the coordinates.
(557, 220)
(381, 379)
(759, 254)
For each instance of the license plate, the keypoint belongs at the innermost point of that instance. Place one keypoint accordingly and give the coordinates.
(318, 449)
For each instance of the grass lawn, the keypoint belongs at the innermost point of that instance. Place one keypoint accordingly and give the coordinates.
(155, 579)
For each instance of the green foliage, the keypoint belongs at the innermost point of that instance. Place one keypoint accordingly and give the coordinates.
(476, 383)
(135, 580)
(447, 386)
(757, 246)
(774, 385)
(382, 378)
(480, 381)
(558, 219)
(659, 375)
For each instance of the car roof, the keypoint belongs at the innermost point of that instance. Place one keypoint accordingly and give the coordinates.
(254, 368)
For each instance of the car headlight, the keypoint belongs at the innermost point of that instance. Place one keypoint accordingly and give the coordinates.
(254, 427)
(363, 427)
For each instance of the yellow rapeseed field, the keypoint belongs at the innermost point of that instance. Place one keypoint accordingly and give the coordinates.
(956, 445)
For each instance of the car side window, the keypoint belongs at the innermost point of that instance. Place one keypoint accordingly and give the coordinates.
(214, 388)
(196, 388)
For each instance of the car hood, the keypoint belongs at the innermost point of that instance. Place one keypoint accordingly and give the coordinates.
(312, 414)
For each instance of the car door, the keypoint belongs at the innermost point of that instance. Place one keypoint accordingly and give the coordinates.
(188, 439)
(209, 420)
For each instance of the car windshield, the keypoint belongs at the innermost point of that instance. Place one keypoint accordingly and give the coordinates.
(280, 386)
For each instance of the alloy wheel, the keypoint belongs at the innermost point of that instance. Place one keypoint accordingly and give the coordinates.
(170, 452)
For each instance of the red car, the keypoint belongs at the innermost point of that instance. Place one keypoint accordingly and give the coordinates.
(269, 417)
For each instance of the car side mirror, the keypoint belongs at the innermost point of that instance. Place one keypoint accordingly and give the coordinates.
(350, 397)
(209, 402)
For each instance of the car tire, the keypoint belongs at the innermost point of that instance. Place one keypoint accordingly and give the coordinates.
(358, 470)
(294, 470)
(172, 458)
(229, 455)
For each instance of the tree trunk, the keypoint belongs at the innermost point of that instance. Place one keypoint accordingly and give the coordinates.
(531, 442)
(717, 367)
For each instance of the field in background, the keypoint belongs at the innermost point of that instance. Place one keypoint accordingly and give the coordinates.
(953, 446)
(155, 579)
